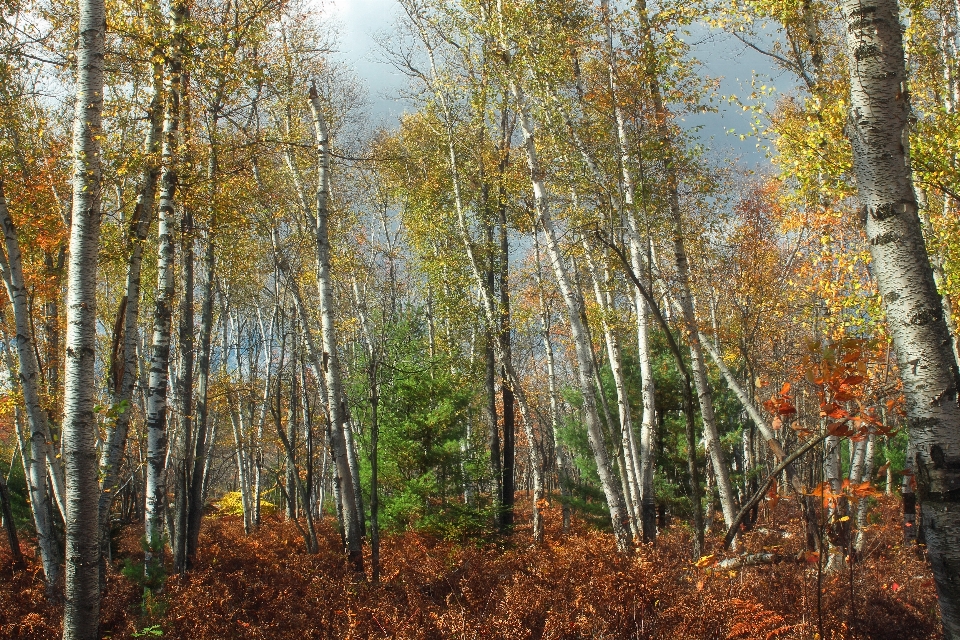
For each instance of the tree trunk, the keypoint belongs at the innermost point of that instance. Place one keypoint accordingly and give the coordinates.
(507, 484)
(305, 409)
(868, 457)
(292, 473)
(354, 464)
(184, 396)
(878, 129)
(208, 464)
(374, 471)
(563, 470)
(316, 362)
(701, 381)
(644, 501)
(301, 490)
(124, 361)
(335, 398)
(648, 503)
(242, 477)
(156, 500)
(704, 395)
(832, 473)
(27, 377)
(200, 457)
(490, 382)
(584, 352)
(81, 615)
(198, 453)
(686, 392)
(6, 514)
(256, 448)
(614, 358)
(493, 425)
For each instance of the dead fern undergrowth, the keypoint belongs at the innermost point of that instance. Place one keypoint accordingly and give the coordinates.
(571, 587)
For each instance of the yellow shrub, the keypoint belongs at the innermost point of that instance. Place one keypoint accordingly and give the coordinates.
(231, 505)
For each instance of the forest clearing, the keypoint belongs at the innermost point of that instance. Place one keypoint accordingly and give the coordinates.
(534, 352)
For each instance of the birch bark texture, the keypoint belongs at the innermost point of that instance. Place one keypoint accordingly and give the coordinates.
(81, 615)
(878, 130)
(335, 402)
(124, 357)
(619, 517)
(156, 493)
(41, 506)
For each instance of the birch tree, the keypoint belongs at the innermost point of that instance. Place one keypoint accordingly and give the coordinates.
(335, 398)
(156, 492)
(37, 466)
(81, 616)
(878, 130)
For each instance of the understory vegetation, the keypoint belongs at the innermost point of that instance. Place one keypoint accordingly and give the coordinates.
(574, 586)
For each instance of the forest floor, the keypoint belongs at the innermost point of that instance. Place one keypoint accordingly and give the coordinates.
(574, 586)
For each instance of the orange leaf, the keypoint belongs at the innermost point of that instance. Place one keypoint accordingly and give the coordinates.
(836, 412)
(864, 490)
(853, 356)
(839, 429)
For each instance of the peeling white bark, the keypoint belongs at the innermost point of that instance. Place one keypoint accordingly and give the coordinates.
(335, 398)
(81, 616)
(156, 490)
(40, 451)
(584, 352)
(878, 127)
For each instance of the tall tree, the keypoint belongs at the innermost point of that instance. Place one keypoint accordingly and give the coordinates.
(37, 458)
(335, 398)
(878, 129)
(81, 615)
(157, 441)
(126, 338)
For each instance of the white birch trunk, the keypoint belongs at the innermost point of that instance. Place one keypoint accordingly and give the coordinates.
(156, 490)
(644, 457)
(859, 451)
(26, 377)
(242, 478)
(11, 270)
(700, 379)
(81, 616)
(124, 358)
(257, 444)
(32, 453)
(711, 435)
(878, 129)
(646, 460)
(584, 352)
(832, 473)
(648, 426)
(629, 474)
(869, 451)
(335, 398)
(564, 472)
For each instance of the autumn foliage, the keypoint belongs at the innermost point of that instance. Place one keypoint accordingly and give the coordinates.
(576, 586)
